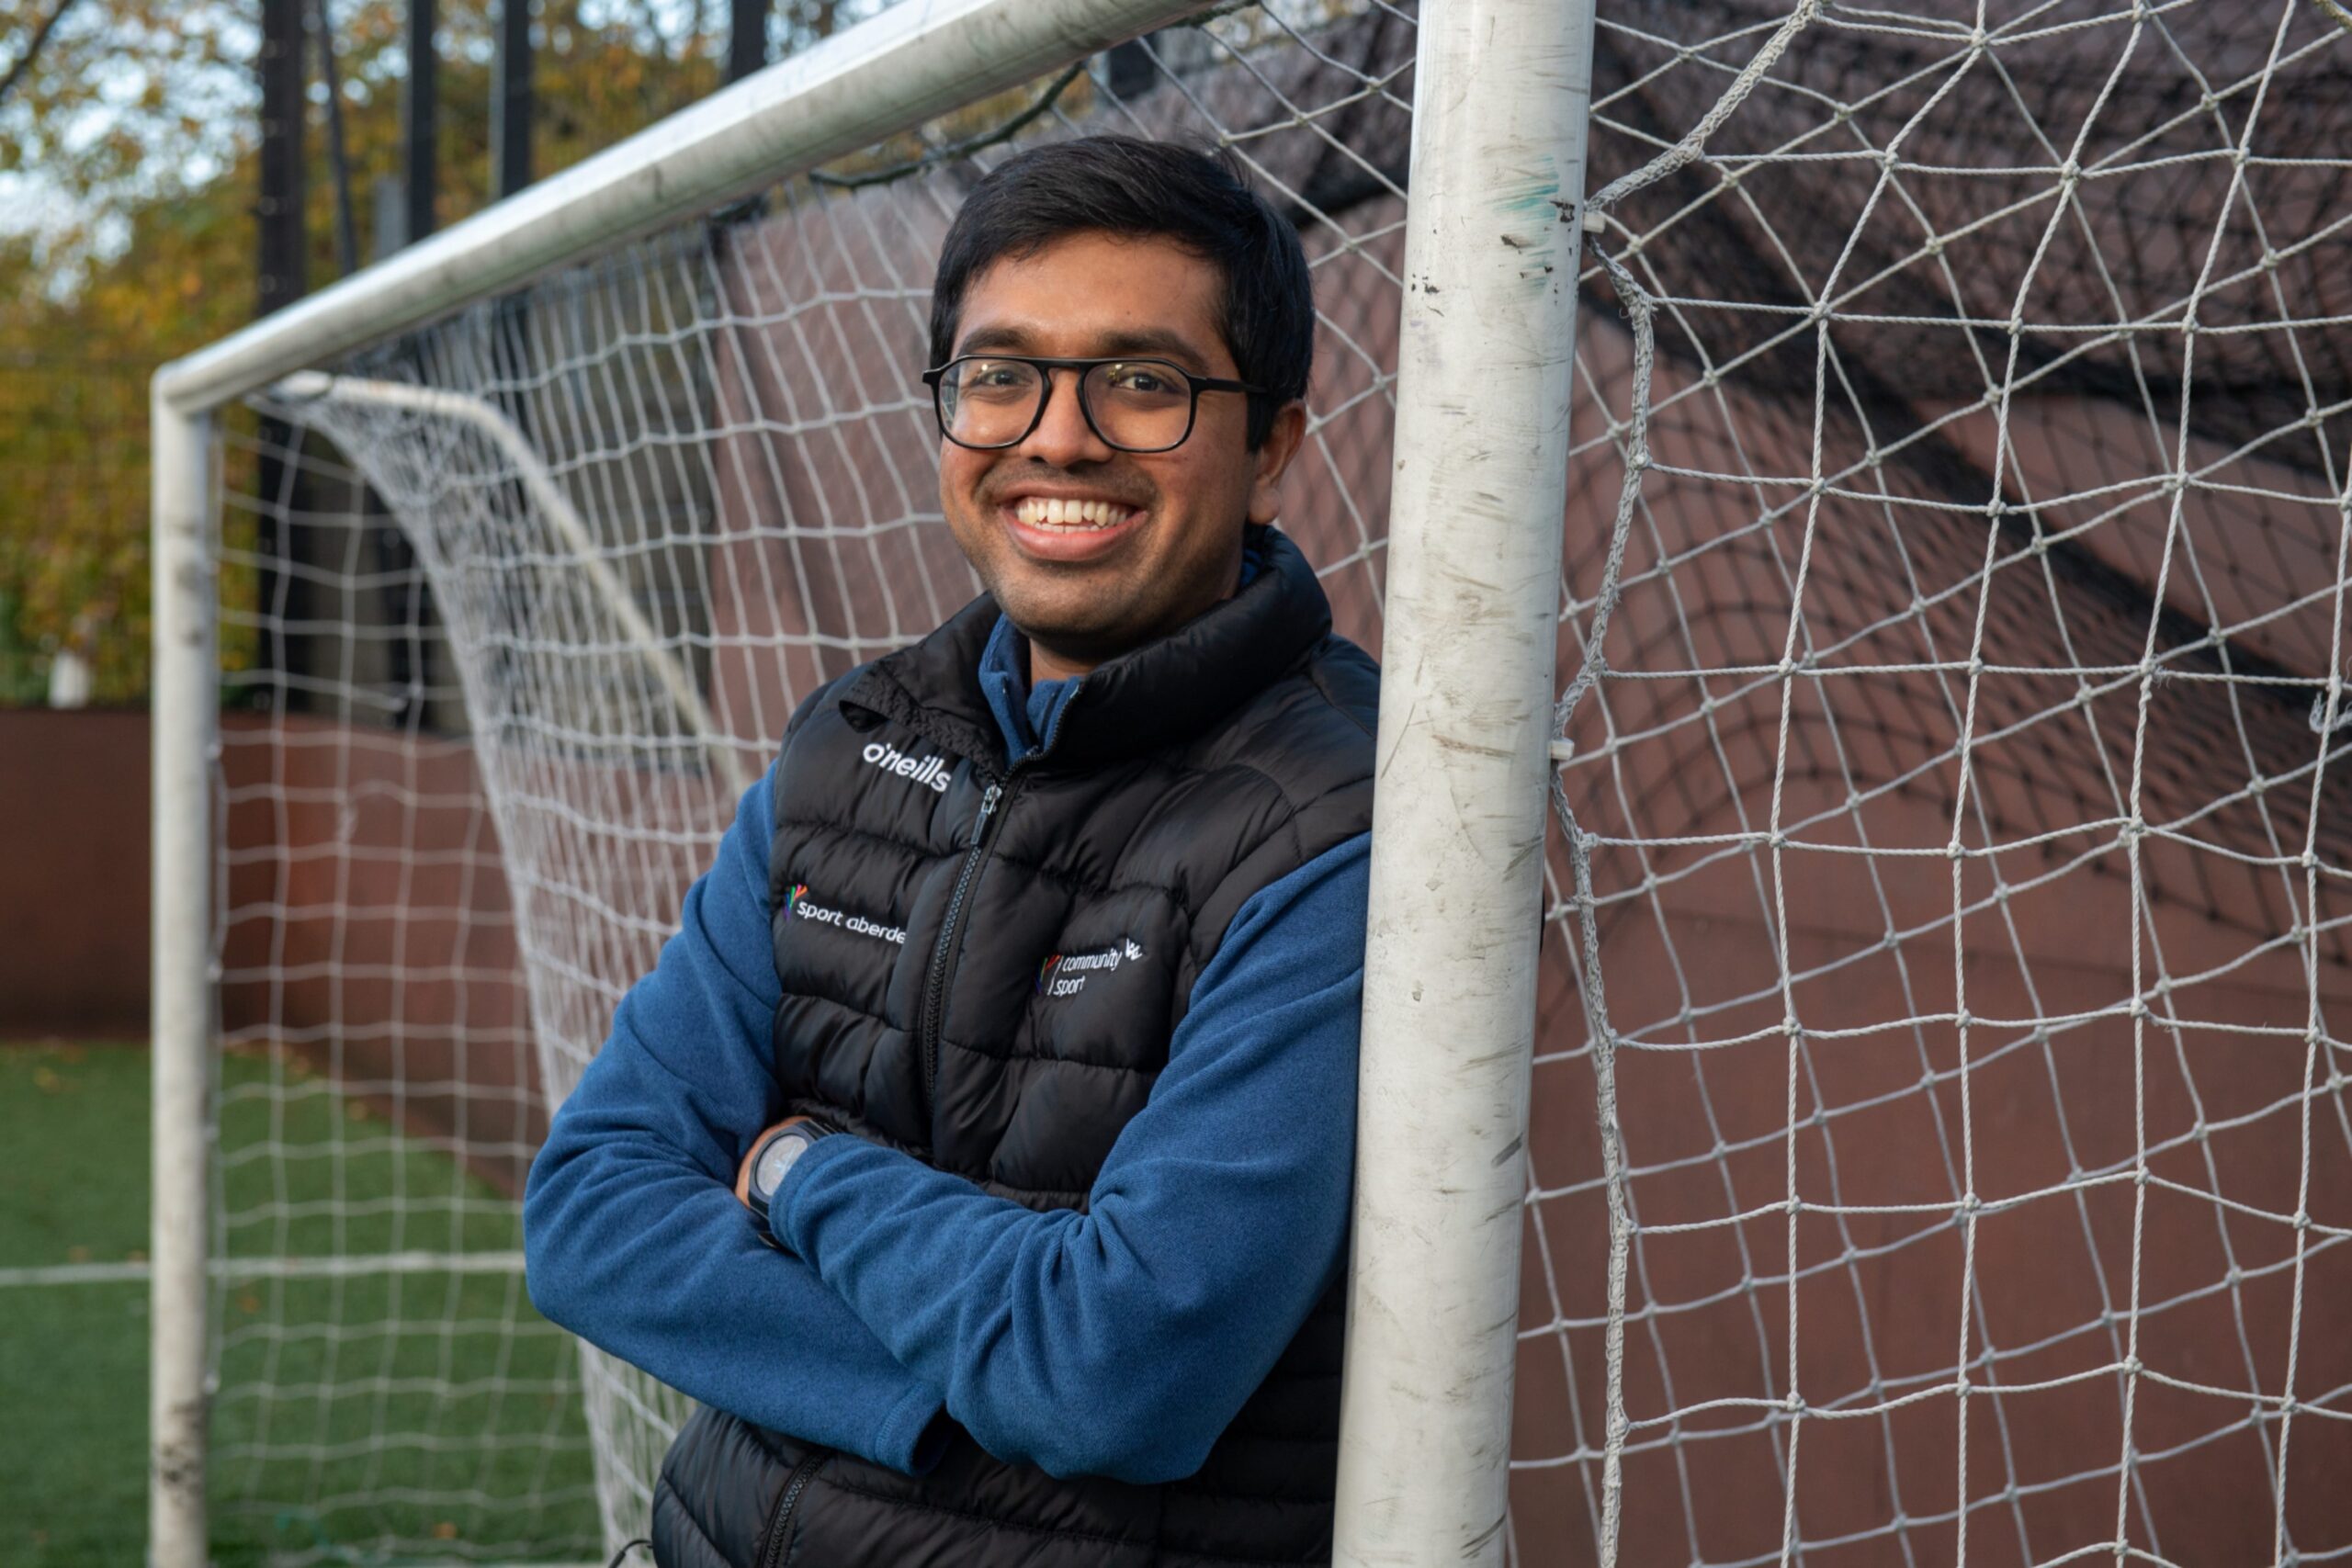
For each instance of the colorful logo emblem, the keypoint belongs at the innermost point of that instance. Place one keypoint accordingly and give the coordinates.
(1066, 973)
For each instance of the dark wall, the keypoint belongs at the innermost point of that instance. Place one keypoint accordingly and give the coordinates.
(73, 873)
(370, 930)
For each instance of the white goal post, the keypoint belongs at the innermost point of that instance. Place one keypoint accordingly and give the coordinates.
(1894, 1107)
(1428, 1420)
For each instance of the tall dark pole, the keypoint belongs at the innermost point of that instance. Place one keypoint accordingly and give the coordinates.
(419, 120)
(510, 171)
(278, 215)
(346, 222)
(747, 38)
(509, 102)
(1131, 71)
(279, 210)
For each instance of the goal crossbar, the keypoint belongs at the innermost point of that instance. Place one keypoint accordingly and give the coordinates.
(845, 94)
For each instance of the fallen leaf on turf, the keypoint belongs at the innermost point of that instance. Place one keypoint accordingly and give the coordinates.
(444, 1531)
(45, 1079)
(77, 1255)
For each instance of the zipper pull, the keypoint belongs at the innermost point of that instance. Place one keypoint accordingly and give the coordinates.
(988, 809)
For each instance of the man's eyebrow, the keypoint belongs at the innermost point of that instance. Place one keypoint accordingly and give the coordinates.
(1011, 340)
(1152, 340)
(1141, 341)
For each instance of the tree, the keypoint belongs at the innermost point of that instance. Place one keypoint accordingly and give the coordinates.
(131, 137)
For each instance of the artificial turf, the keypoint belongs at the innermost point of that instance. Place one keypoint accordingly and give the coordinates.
(377, 1417)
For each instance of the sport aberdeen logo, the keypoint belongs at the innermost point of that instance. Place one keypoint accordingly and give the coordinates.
(796, 906)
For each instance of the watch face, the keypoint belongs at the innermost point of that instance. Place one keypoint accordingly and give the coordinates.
(768, 1175)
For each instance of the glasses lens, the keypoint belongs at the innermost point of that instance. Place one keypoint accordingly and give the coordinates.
(1141, 404)
(988, 402)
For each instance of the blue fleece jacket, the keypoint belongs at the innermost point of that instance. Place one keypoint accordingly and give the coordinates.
(1118, 1342)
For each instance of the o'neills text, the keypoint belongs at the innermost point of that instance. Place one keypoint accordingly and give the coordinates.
(931, 771)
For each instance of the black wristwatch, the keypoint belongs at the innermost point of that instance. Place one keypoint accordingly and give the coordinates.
(773, 1156)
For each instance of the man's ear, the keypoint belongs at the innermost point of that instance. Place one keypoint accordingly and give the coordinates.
(1271, 458)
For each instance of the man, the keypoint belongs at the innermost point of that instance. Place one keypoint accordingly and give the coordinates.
(978, 1152)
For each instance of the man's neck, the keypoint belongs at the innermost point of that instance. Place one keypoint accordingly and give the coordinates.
(1046, 665)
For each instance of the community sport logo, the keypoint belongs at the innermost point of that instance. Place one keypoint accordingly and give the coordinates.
(796, 906)
(1065, 975)
(931, 771)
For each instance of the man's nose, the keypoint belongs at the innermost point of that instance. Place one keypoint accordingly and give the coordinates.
(1062, 437)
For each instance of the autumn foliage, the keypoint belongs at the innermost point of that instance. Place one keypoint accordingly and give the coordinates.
(128, 153)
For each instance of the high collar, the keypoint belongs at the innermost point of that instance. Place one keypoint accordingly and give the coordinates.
(1158, 695)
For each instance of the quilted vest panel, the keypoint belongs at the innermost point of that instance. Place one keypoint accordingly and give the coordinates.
(983, 964)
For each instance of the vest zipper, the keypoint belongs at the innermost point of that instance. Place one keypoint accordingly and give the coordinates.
(780, 1527)
(934, 991)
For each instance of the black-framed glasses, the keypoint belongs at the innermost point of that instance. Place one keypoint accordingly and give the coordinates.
(987, 402)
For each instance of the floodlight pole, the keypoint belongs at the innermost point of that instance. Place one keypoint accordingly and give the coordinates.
(1470, 627)
(186, 730)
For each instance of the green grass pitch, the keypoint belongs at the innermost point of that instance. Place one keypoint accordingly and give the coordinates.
(382, 1417)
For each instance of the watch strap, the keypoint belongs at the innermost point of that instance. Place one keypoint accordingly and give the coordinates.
(808, 1130)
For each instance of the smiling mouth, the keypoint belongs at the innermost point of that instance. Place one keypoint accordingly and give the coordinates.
(1074, 516)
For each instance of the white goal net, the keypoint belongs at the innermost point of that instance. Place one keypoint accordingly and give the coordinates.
(1949, 896)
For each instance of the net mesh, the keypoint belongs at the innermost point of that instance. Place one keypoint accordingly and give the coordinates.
(1940, 1147)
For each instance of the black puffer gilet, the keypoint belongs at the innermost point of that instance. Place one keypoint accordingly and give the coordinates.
(982, 966)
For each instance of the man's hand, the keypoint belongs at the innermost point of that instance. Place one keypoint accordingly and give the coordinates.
(743, 1171)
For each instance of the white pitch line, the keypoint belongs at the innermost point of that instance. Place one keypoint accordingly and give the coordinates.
(276, 1267)
(74, 1274)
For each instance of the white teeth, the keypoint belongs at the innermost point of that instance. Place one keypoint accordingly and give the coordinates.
(1048, 511)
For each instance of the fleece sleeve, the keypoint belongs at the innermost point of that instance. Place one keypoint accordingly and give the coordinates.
(633, 1236)
(1120, 1341)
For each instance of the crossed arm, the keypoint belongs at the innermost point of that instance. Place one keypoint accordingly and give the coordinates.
(1116, 1342)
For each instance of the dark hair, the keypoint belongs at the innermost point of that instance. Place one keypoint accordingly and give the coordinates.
(1119, 185)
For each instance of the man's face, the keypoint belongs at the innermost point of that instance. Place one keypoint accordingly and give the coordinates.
(1082, 591)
